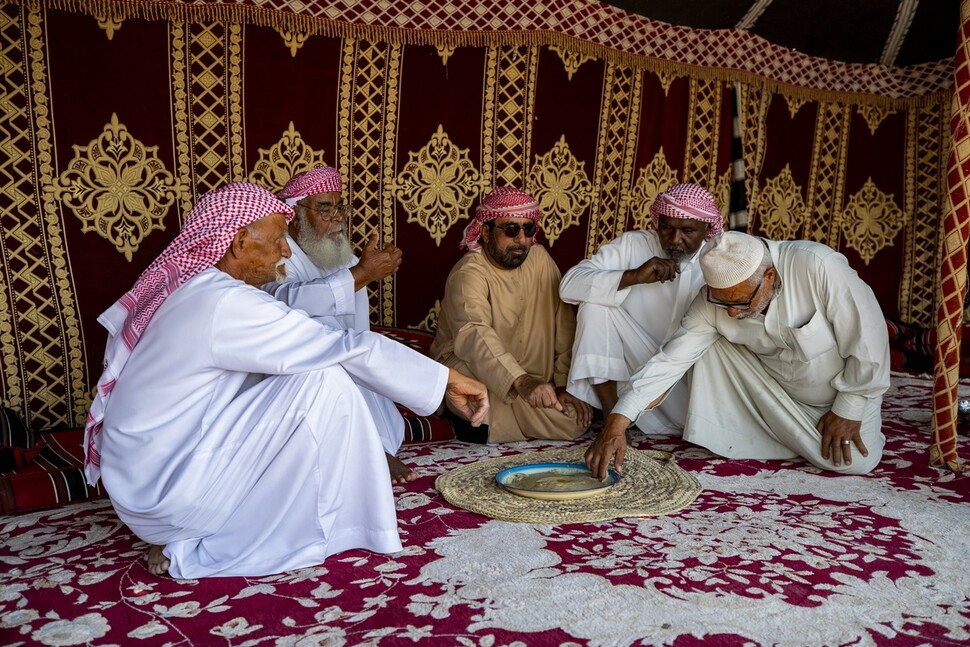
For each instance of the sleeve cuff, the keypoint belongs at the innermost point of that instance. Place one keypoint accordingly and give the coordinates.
(849, 406)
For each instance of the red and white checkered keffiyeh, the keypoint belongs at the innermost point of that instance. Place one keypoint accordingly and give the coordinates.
(322, 179)
(688, 201)
(207, 234)
(502, 202)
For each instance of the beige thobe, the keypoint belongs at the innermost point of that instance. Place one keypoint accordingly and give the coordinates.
(498, 325)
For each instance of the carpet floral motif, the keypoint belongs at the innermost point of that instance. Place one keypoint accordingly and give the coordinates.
(769, 553)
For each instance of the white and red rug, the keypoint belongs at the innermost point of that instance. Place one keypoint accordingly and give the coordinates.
(769, 553)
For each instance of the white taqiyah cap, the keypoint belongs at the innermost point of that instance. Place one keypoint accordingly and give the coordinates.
(731, 258)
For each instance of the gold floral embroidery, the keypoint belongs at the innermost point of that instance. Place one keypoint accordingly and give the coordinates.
(284, 159)
(118, 188)
(871, 221)
(571, 60)
(438, 185)
(781, 206)
(654, 178)
(559, 182)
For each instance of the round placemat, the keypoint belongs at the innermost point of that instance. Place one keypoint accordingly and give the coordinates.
(652, 485)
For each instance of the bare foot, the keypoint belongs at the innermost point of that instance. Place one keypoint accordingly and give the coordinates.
(400, 473)
(156, 561)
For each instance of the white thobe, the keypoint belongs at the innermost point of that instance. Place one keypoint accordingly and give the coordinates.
(760, 385)
(618, 331)
(238, 475)
(329, 298)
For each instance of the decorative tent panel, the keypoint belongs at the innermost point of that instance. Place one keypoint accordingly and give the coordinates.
(863, 180)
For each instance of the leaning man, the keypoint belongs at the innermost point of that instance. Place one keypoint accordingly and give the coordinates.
(632, 294)
(790, 356)
(502, 321)
(228, 428)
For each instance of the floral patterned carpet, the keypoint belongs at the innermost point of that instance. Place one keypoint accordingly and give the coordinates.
(769, 553)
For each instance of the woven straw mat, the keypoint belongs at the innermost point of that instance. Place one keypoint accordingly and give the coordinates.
(652, 485)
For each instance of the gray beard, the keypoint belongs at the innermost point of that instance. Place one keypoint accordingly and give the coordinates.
(327, 254)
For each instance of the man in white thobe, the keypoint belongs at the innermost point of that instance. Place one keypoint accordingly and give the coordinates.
(790, 359)
(228, 428)
(327, 281)
(632, 294)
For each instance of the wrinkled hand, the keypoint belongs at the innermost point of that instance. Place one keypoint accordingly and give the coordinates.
(375, 264)
(539, 394)
(609, 445)
(573, 406)
(835, 431)
(467, 397)
(657, 270)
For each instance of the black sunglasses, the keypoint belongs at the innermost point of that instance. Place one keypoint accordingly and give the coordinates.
(511, 229)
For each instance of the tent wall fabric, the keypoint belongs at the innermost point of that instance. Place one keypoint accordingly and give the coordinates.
(953, 272)
(119, 114)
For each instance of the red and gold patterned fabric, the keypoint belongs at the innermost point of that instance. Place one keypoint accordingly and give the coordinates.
(953, 266)
(122, 113)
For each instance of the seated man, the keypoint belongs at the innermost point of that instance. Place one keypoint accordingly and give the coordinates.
(632, 294)
(325, 280)
(228, 428)
(502, 321)
(790, 356)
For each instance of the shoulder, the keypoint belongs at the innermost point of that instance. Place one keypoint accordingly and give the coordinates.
(227, 293)
(539, 259)
(633, 246)
(635, 238)
(473, 267)
(805, 253)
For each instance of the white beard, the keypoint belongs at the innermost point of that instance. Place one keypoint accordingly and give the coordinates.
(327, 254)
(281, 270)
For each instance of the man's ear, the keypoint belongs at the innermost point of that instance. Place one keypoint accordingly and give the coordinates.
(239, 240)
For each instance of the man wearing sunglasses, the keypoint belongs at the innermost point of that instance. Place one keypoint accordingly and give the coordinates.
(326, 280)
(790, 359)
(502, 321)
(632, 294)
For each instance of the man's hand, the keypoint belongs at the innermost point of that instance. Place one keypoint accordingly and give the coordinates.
(610, 444)
(375, 264)
(838, 436)
(467, 397)
(655, 270)
(539, 394)
(573, 406)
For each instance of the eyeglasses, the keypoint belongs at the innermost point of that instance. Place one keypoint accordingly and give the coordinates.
(328, 211)
(745, 305)
(511, 229)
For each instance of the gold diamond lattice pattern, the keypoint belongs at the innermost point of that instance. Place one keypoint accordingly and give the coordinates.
(871, 221)
(437, 185)
(284, 159)
(781, 207)
(559, 182)
(118, 188)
